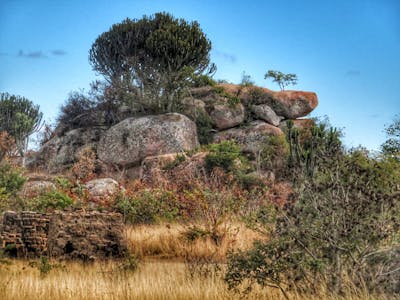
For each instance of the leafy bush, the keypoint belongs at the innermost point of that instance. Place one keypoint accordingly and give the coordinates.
(52, 200)
(225, 155)
(11, 180)
(148, 207)
(343, 226)
(204, 127)
(44, 266)
(310, 148)
(232, 99)
(130, 264)
(274, 154)
(202, 80)
(392, 145)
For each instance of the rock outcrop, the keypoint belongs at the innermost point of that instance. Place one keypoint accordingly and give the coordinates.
(245, 114)
(251, 138)
(61, 152)
(132, 140)
(288, 104)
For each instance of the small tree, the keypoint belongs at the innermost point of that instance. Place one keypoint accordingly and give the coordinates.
(282, 79)
(20, 118)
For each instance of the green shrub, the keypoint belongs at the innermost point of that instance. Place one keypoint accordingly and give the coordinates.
(148, 207)
(204, 128)
(44, 266)
(51, 200)
(202, 80)
(194, 233)
(225, 155)
(129, 264)
(274, 154)
(250, 181)
(11, 180)
(343, 227)
(232, 100)
(311, 148)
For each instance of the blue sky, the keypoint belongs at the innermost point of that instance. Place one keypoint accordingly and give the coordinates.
(347, 51)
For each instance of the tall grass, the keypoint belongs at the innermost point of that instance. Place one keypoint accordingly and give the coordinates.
(169, 241)
(168, 270)
(153, 280)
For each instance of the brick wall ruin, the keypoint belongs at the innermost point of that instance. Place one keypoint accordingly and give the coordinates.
(70, 235)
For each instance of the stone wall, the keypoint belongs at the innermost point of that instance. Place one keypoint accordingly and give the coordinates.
(24, 234)
(87, 235)
(70, 235)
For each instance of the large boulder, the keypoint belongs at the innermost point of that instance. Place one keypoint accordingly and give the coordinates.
(289, 104)
(103, 190)
(127, 143)
(294, 104)
(226, 116)
(251, 138)
(61, 152)
(266, 113)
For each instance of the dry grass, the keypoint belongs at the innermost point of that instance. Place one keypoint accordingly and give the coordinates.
(168, 241)
(153, 280)
(156, 278)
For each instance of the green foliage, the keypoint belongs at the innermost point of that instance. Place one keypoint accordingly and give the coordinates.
(310, 147)
(44, 266)
(250, 181)
(204, 127)
(63, 183)
(281, 79)
(246, 80)
(52, 200)
(194, 233)
(148, 207)
(153, 57)
(232, 100)
(225, 155)
(202, 80)
(10, 250)
(130, 264)
(20, 118)
(11, 180)
(343, 226)
(392, 145)
(274, 154)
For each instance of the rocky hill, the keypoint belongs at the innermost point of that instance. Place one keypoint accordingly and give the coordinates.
(245, 114)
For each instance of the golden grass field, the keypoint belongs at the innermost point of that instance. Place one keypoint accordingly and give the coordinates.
(163, 273)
